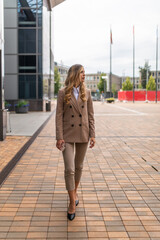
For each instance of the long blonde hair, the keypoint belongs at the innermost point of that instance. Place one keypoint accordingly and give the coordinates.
(73, 80)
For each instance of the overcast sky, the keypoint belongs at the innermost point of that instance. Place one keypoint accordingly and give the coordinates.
(82, 34)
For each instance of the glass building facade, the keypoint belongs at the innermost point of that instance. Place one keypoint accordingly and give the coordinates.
(30, 49)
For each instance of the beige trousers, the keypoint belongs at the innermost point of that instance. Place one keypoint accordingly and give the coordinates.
(73, 156)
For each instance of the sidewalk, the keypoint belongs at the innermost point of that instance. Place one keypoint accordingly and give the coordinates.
(22, 127)
(120, 188)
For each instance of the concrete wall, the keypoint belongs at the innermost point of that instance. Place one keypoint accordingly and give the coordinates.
(48, 17)
(10, 49)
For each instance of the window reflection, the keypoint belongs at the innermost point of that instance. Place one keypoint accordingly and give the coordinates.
(27, 86)
(40, 41)
(27, 13)
(27, 64)
(40, 17)
(27, 3)
(27, 40)
(40, 86)
(27, 17)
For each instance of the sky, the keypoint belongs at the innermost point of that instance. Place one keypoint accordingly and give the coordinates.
(82, 34)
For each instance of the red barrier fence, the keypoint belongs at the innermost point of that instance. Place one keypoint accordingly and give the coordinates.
(138, 95)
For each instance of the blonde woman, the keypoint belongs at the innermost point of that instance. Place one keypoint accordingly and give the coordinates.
(74, 129)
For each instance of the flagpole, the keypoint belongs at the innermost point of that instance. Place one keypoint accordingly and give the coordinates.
(156, 62)
(110, 62)
(133, 63)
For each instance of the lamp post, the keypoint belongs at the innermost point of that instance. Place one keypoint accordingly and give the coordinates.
(146, 61)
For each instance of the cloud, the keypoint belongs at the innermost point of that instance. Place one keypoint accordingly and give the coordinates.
(82, 33)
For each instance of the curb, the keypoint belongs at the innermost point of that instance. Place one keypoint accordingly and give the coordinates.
(12, 163)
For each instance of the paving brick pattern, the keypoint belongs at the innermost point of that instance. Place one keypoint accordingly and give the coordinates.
(9, 147)
(120, 189)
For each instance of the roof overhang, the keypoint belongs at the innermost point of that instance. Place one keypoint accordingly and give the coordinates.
(54, 3)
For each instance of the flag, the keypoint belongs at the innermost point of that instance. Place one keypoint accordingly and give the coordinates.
(111, 37)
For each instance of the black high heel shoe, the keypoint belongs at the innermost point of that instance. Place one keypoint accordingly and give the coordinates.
(77, 202)
(71, 216)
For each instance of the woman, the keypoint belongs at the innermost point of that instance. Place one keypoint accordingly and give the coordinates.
(74, 129)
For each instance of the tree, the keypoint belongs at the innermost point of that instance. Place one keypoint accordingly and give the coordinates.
(127, 85)
(56, 80)
(143, 71)
(102, 83)
(140, 86)
(151, 85)
(114, 90)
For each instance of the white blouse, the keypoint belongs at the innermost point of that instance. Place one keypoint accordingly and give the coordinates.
(76, 92)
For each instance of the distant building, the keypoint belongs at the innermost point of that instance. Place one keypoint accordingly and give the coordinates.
(63, 70)
(92, 80)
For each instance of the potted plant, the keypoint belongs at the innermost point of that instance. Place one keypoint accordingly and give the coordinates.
(110, 100)
(7, 105)
(21, 106)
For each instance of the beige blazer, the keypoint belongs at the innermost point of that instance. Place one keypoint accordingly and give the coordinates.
(74, 121)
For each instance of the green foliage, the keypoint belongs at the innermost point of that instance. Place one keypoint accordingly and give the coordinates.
(143, 71)
(102, 83)
(140, 86)
(22, 103)
(7, 105)
(56, 80)
(151, 85)
(127, 85)
(114, 91)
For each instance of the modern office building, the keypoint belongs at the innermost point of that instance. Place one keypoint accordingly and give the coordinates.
(29, 56)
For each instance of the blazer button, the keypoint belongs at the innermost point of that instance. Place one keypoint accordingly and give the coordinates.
(72, 125)
(80, 115)
(72, 115)
(70, 106)
(82, 106)
(80, 125)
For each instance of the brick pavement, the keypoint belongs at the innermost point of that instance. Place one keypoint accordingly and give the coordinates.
(120, 188)
(9, 147)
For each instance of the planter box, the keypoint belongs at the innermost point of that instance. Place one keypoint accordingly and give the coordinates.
(23, 109)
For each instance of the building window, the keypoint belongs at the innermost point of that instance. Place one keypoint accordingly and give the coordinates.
(40, 87)
(27, 40)
(27, 64)
(27, 86)
(26, 14)
(30, 48)
(97, 77)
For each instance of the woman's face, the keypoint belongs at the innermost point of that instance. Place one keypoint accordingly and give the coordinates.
(82, 75)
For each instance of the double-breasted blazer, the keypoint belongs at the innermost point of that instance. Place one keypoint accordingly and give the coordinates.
(74, 121)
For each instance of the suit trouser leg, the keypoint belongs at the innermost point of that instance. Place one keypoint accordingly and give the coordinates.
(81, 149)
(73, 163)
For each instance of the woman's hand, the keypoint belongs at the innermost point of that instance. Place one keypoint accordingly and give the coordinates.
(92, 142)
(59, 143)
